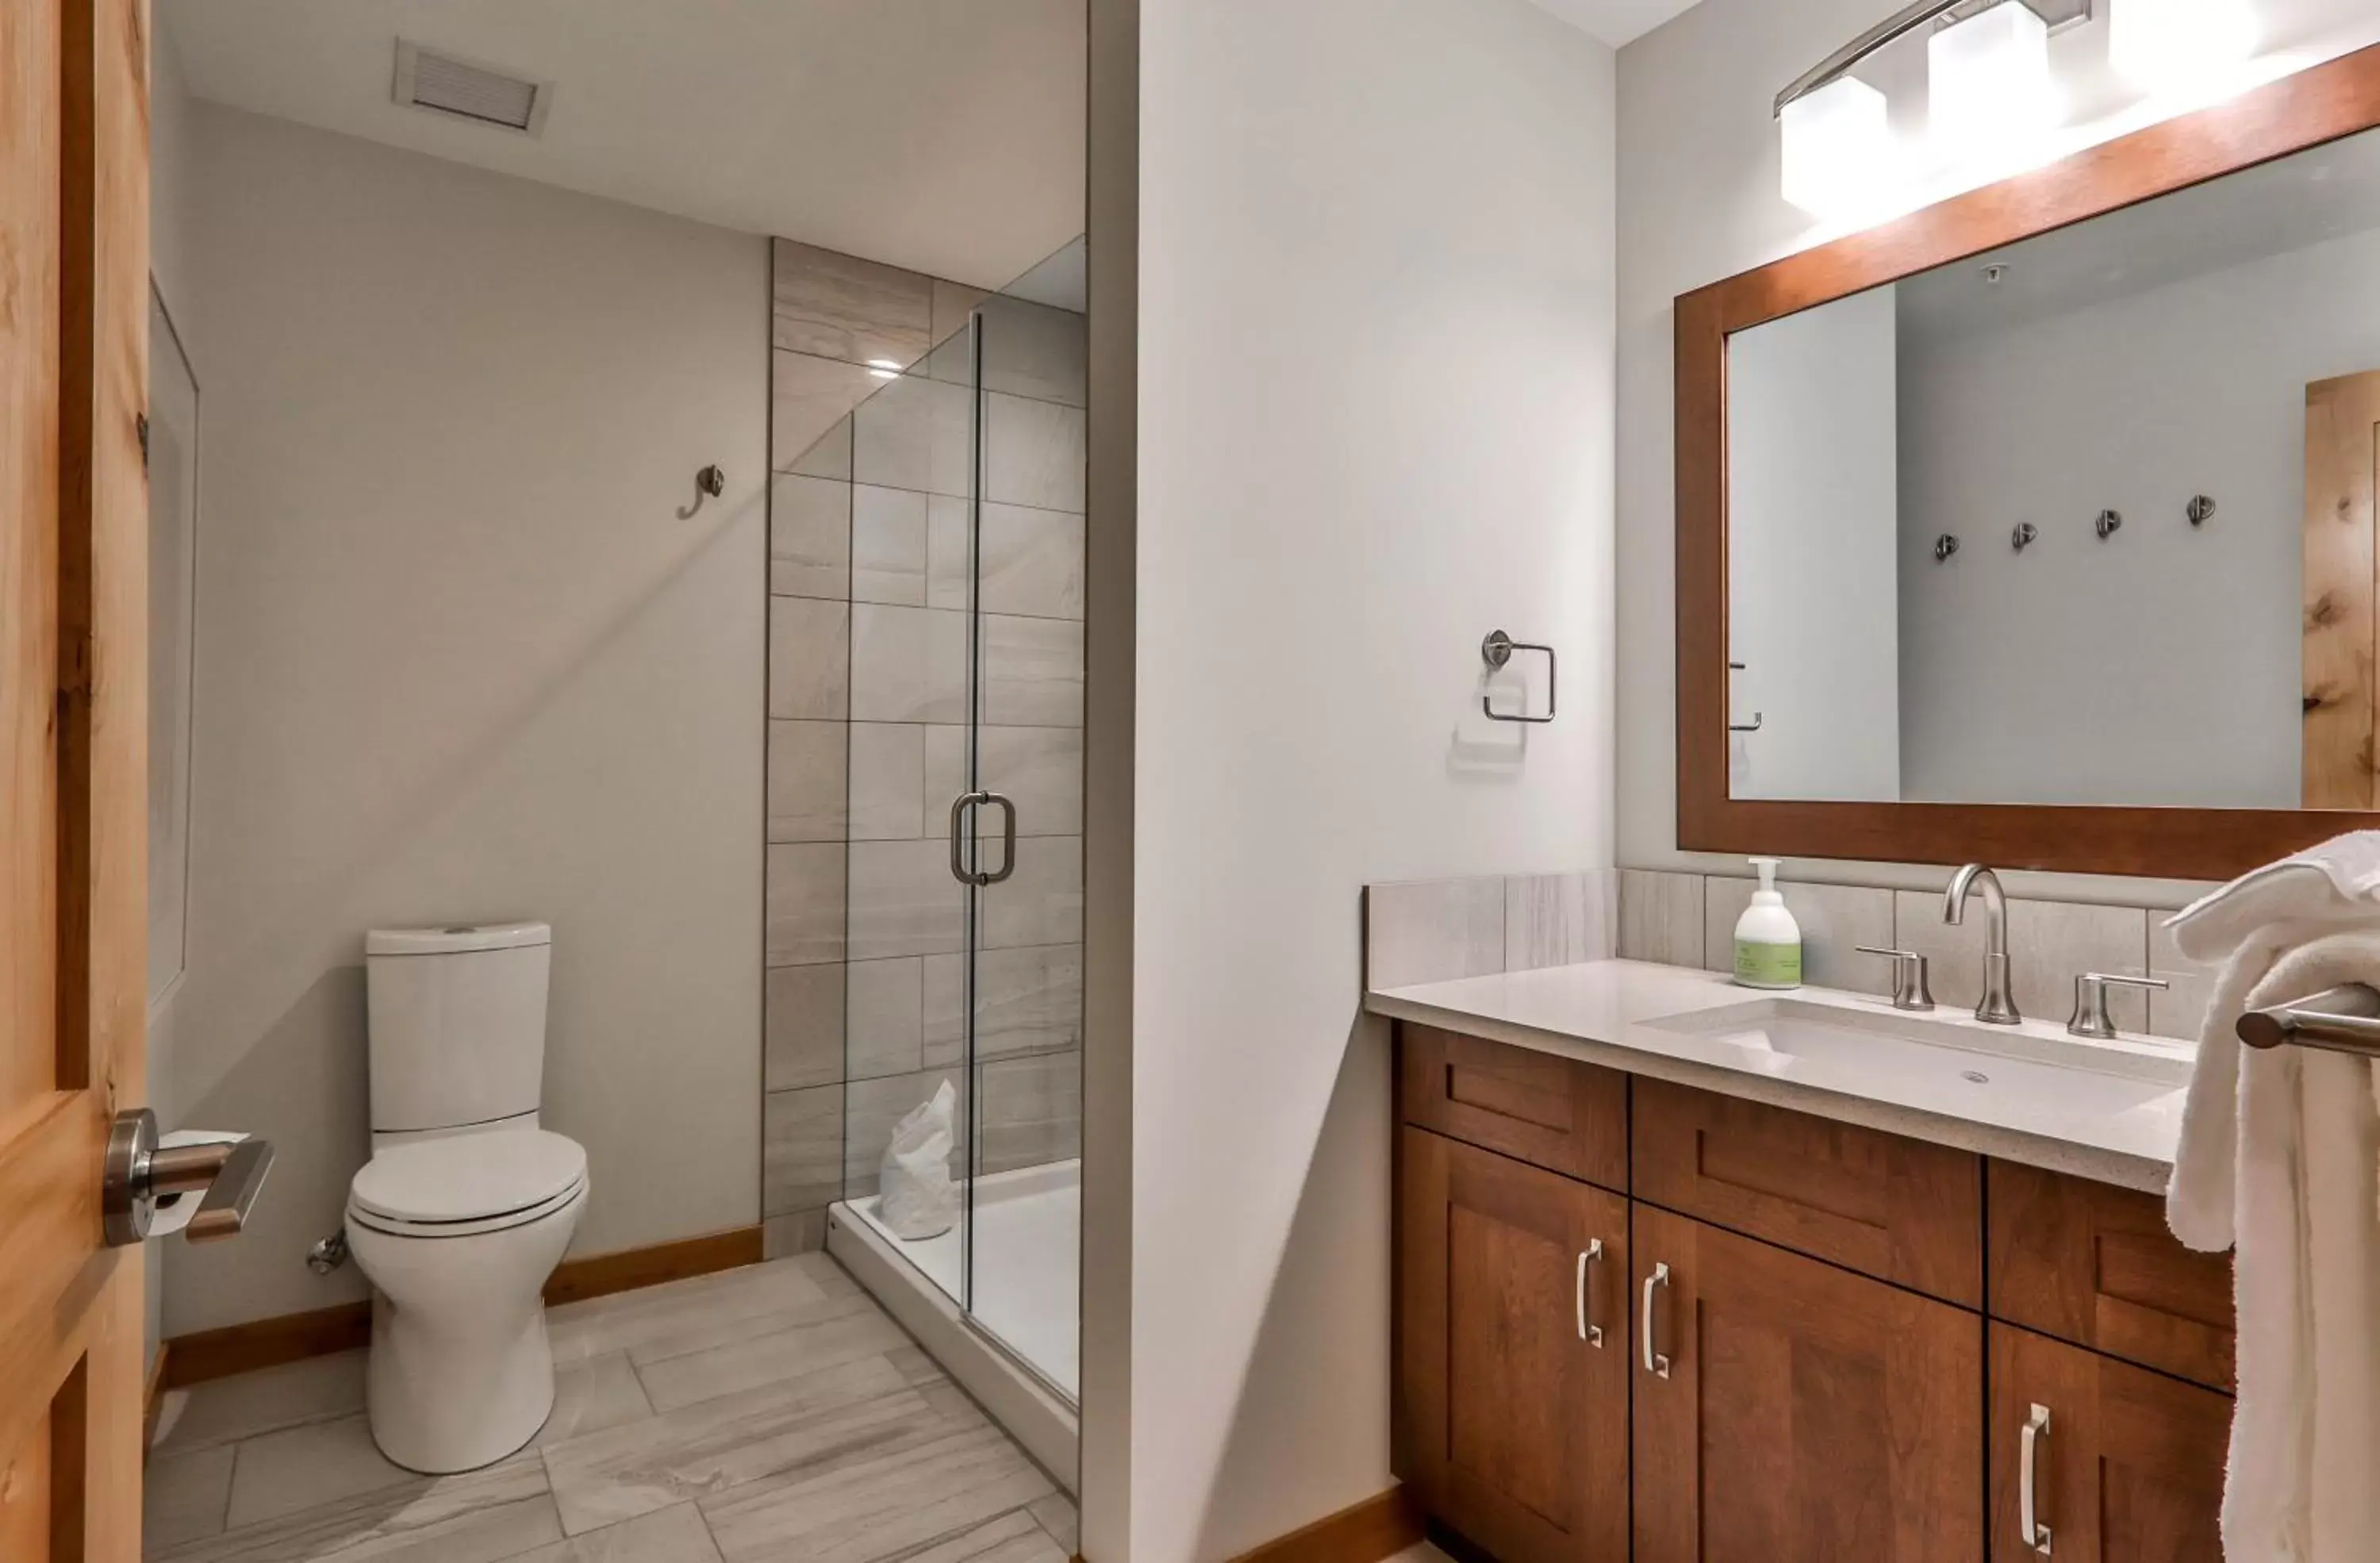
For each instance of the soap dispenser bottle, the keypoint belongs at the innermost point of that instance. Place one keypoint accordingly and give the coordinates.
(1768, 939)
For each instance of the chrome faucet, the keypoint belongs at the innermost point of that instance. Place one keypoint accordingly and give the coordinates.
(1997, 1007)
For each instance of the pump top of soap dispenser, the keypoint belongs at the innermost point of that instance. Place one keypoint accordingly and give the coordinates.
(1766, 895)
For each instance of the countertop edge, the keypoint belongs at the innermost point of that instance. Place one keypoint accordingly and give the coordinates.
(2142, 1173)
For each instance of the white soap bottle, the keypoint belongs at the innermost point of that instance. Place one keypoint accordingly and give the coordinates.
(1768, 939)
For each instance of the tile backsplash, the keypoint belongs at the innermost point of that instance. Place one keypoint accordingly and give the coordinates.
(1436, 930)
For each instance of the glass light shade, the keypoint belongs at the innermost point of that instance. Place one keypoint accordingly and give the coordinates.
(2176, 45)
(1988, 78)
(1838, 151)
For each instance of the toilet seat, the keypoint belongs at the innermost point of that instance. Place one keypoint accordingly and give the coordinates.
(465, 1184)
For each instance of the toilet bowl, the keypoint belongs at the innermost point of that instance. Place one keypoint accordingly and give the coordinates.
(457, 1234)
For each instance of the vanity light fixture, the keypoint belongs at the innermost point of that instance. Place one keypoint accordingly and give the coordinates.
(1988, 86)
(1988, 64)
(2179, 45)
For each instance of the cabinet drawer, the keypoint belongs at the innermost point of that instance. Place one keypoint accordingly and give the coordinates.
(2094, 1265)
(1549, 1111)
(1898, 1210)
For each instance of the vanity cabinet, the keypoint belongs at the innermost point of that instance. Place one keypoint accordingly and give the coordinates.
(1514, 1352)
(2126, 1464)
(1797, 1410)
(1639, 1320)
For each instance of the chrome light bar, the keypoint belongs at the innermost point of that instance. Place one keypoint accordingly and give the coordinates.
(2059, 14)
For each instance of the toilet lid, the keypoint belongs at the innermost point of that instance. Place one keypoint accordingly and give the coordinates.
(469, 1177)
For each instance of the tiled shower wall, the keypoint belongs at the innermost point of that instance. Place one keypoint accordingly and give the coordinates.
(867, 698)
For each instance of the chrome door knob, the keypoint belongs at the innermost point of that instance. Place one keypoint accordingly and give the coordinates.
(138, 1172)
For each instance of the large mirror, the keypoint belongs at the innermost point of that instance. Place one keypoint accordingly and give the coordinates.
(2040, 526)
(2076, 515)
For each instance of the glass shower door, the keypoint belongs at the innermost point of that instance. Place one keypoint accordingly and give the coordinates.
(1016, 827)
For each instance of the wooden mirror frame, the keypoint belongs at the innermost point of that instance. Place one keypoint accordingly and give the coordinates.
(2318, 104)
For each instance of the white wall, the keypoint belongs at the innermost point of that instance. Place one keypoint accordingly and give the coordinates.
(1698, 202)
(2178, 651)
(458, 660)
(1375, 424)
(1812, 582)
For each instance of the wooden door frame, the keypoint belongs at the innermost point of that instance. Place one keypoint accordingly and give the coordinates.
(2313, 106)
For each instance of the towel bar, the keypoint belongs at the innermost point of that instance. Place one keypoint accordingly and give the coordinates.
(2338, 1020)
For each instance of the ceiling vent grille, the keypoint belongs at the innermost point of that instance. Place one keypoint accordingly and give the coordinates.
(467, 90)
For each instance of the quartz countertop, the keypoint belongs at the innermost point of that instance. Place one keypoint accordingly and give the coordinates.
(2107, 1111)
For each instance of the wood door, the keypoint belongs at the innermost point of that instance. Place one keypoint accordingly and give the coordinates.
(2342, 444)
(1515, 1418)
(2128, 1464)
(1810, 1415)
(74, 241)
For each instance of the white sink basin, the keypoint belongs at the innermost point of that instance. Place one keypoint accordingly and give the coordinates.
(2028, 1077)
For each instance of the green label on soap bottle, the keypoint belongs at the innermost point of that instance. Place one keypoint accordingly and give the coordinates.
(1768, 966)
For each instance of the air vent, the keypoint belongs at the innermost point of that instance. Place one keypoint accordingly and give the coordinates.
(450, 84)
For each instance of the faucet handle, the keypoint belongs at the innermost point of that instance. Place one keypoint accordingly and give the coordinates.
(2091, 1000)
(1909, 990)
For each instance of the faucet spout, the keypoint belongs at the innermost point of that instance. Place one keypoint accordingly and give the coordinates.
(1998, 1005)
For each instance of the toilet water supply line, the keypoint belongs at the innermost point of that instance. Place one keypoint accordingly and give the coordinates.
(329, 1253)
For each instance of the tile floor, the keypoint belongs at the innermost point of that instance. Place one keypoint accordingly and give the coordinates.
(769, 1413)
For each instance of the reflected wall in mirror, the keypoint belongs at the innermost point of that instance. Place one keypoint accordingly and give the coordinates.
(2151, 436)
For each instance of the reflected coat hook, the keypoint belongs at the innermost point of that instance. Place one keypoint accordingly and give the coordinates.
(1497, 651)
(709, 483)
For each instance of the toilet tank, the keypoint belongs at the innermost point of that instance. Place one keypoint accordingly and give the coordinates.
(457, 1024)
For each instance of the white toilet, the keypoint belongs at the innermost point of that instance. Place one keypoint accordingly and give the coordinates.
(466, 1206)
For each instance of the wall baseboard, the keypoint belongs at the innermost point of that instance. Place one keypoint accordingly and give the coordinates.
(1380, 1527)
(261, 1343)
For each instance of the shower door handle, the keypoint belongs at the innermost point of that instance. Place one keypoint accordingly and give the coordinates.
(981, 877)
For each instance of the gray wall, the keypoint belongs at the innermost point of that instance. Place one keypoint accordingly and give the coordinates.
(868, 700)
(457, 658)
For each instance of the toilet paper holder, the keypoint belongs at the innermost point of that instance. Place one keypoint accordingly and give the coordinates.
(139, 1171)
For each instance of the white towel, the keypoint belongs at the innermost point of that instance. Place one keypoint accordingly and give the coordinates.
(2281, 1150)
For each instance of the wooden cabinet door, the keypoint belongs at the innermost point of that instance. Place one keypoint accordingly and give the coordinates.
(2128, 1464)
(74, 604)
(1514, 1419)
(1809, 1415)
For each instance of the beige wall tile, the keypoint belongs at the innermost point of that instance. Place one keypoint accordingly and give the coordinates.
(805, 781)
(802, 1032)
(885, 1021)
(908, 664)
(888, 545)
(830, 457)
(1559, 920)
(1661, 917)
(801, 1149)
(807, 396)
(2181, 1010)
(2051, 943)
(1027, 1001)
(1836, 920)
(1034, 350)
(1041, 770)
(810, 537)
(809, 659)
(1032, 671)
(798, 1232)
(950, 571)
(946, 776)
(1033, 453)
(887, 775)
(1432, 930)
(805, 903)
(952, 303)
(1032, 1110)
(914, 433)
(1043, 901)
(842, 307)
(903, 900)
(1032, 562)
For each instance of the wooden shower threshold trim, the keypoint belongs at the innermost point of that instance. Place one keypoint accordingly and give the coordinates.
(261, 1343)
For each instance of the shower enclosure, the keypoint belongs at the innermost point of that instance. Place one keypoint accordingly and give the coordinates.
(962, 936)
